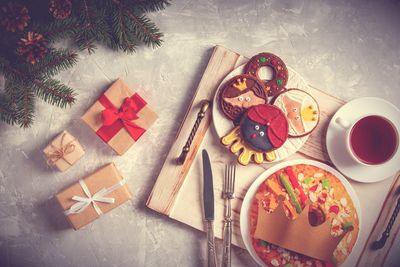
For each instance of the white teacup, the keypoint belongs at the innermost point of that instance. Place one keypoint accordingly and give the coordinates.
(371, 140)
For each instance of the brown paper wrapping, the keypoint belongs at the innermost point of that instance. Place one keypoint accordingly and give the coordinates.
(104, 177)
(296, 235)
(117, 93)
(67, 159)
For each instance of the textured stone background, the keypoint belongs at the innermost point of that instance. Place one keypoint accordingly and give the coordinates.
(348, 48)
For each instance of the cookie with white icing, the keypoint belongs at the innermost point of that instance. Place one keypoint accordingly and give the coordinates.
(301, 110)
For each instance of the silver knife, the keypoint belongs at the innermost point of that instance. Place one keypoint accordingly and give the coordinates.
(208, 202)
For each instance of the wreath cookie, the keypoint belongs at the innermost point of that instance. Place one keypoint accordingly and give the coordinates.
(301, 110)
(264, 128)
(280, 72)
(240, 93)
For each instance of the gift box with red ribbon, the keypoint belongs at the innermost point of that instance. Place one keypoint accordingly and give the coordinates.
(120, 117)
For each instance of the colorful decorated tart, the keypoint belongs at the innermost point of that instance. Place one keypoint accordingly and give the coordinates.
(264, 128)
(328, 199)
(280, 72)
(301, 110)
(240, 93)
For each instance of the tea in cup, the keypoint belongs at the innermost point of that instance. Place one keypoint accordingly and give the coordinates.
(371, 140)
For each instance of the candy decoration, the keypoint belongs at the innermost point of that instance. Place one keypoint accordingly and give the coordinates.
(326, 184)
(334, 209)
(275, 85)
(307, 180)
(294, 181)
(291, 193)
(347, 226)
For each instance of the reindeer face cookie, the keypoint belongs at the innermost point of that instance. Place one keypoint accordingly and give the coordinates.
(301, 110)
(240, 93)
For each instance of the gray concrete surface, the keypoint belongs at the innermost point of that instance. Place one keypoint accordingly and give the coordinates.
(348, 48)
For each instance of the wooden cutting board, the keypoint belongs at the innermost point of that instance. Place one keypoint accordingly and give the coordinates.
(177, 191)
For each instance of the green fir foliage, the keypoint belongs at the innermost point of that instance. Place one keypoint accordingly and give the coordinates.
(117, 24)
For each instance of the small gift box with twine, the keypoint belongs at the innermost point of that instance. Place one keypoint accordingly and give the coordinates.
(96, 194)
(63, 151)
(120, 117)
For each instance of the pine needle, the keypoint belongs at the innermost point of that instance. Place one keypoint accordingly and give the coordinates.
(54, 92)
(118, 24)
(54, 62)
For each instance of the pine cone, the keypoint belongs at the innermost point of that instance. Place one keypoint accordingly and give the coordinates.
(32, 48)
(14, 16)
(60, 9)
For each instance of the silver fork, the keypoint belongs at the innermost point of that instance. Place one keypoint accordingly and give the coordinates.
(227, 194)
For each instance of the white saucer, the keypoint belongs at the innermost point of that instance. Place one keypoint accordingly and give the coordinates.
(335, 139)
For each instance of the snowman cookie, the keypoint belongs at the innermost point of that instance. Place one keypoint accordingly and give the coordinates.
(240, 93)
(264, 128)
(280, 72)
(301, 110)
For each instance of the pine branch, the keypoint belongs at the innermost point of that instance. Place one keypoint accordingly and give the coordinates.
(125, 40)
(59, 29)
(145, 29)
(93, 27)
(26, 109)
(151, 5)
(119, 24)
(141, 26)
(11, 73)
(6, 114)
(17, 104)
(54, 62)
(8, 111)
(54, 92)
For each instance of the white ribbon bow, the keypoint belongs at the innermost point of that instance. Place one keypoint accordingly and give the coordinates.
(99, 196)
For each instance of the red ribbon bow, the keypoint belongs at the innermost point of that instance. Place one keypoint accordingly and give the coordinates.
(115, 119)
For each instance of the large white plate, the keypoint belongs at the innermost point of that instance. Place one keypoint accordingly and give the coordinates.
(244, 211)
(335, 139)
(223, 125)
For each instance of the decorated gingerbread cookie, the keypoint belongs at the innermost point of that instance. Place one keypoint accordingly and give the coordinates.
(240, 93)
(264, 128)
(280, 72)
(301, 110)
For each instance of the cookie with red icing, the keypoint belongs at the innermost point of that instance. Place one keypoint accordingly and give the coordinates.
(264, 128)
(240, 93)
(280, 72)
(301, 110)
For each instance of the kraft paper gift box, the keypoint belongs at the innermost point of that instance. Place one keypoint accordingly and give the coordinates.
(93, 196)
(120, 117)
(63, 151)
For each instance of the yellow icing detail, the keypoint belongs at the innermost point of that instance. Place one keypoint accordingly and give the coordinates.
(258, 158)
(271, 156)
(240, 84)
(231, 136)
(309, 113)
(245, 157)
(237, 145)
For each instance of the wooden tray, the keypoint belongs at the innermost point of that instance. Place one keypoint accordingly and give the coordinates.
(177, 191)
